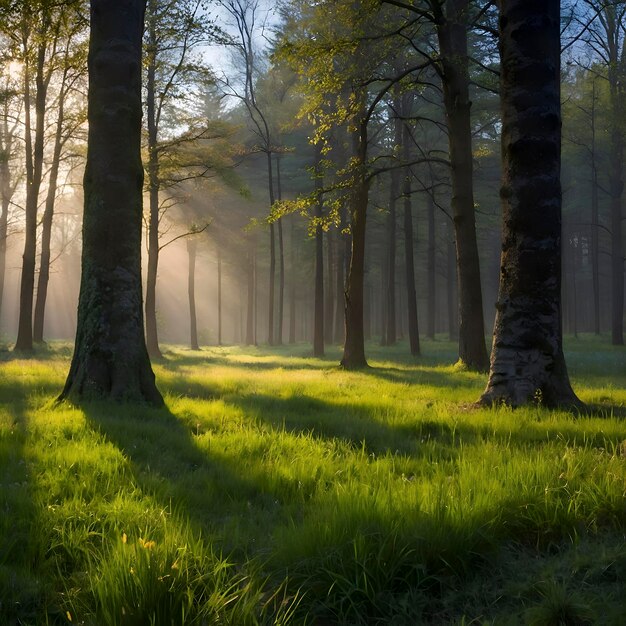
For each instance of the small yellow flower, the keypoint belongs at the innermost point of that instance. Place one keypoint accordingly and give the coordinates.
(175, 565)
(124, 538)
(146, 543)
(69, 616)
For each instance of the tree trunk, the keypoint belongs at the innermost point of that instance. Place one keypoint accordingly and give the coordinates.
(250, 324)
(452, 34)
(595, 250)
(270, 177)
(219, 295)
(34, 169)
(191, 291)
(292, 289)
(394, 192)
(409, 261)
(7, 189)
(110, 357)
(430, 265)
(527, 363)
(616, 188)
(281, 262)
(354, 346)
(343, 253)
(451, 284)
(318, 320)
(48, 215)
(152, 339)
(329, 297)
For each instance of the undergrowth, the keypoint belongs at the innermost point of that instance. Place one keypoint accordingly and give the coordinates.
(275, 488)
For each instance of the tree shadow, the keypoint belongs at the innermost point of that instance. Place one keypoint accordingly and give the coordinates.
(207, 486)
(23, 595)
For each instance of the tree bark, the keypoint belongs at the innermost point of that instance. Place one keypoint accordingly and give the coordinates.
(292, 288)
(34, 170)
(451, 285)
(191, 292)
(271, 294)
(391, 233)
(110, 357)
(7, 189)
(354, 346)
(329, 303)
(409, 261)
(219, 295)
(318, 320)
(281, 261)
(430, 265)
(152, 338)
(595, 249)
(452, 34)
(250, 323)
(48, 215)
(527, 363)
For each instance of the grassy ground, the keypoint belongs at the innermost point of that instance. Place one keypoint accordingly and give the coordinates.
(277, 489)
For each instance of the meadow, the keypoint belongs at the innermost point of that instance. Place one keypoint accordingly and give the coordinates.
(275, 488)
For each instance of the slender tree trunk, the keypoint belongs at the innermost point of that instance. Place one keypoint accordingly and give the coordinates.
(191, 291)
(271, 294)
(250, 324)
(34, 169)
(318, 321)
(409, 261)
(281, 262)
(394, 192)
(595, 250)
(152, 339)
(354, 347)
(48, 215)
(329, 298)
(110, 357)
(451, 283)
(292, 296)
(616, 188)
(431, 267)
(219, 295)
(7, 189)
(452, 34)
(383, 304)
(343, 248)
(527, 363)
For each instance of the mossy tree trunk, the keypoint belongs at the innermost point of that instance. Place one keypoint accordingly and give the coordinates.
(110, 357)
(527, 363)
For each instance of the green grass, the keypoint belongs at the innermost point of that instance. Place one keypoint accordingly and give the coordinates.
(275, 488)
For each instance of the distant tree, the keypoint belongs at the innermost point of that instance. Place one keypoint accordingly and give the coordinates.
(606, 37)
(527, 363)
(68, 108)
(110, 358)
(175, 29)
(10, 172)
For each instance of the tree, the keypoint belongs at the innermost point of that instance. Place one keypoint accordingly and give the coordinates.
(72, 66)
(527, 362)
(110, 358)
(175, 29)
(607, 37)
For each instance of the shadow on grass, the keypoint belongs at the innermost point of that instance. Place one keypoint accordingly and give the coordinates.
(23, 597)
(168, 465)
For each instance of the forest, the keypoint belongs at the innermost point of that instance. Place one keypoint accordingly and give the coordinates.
(312, 313)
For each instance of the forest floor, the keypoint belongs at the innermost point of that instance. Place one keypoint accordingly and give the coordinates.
(275, 488)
